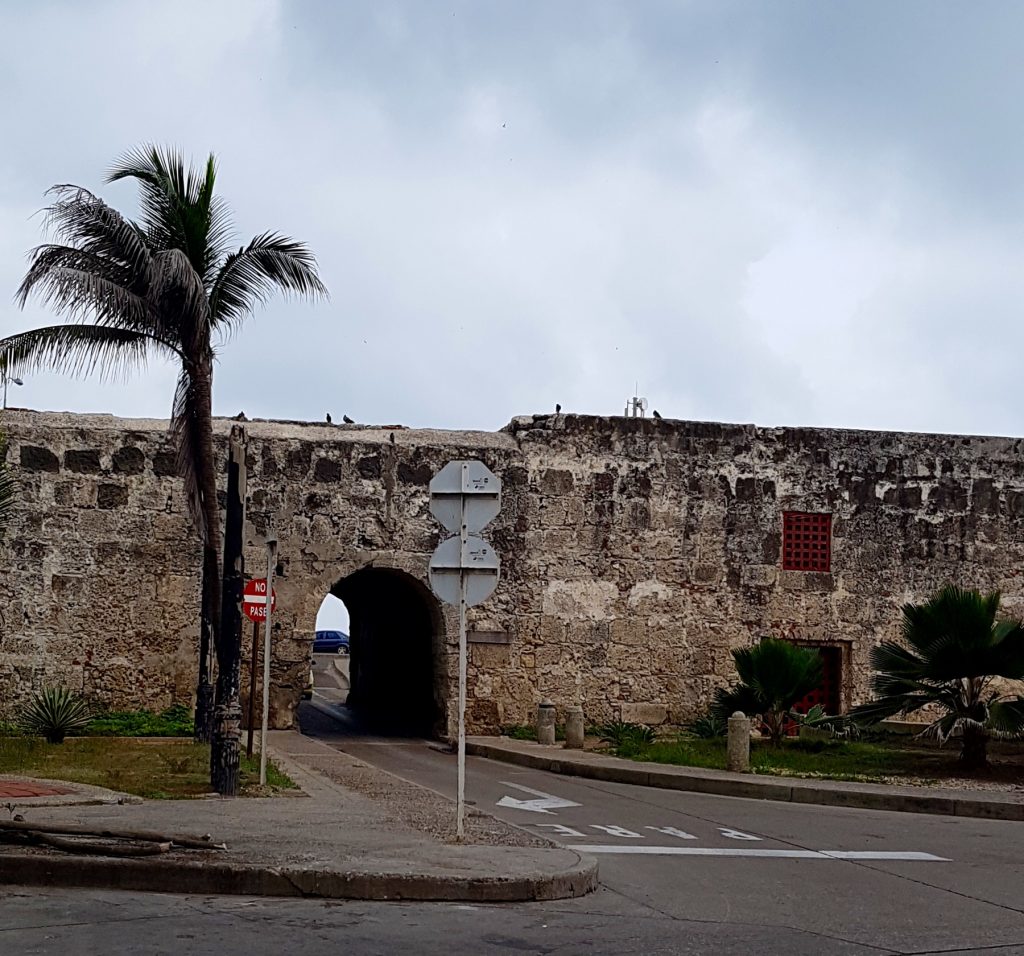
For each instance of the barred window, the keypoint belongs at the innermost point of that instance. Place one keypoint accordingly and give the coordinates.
(806, 541)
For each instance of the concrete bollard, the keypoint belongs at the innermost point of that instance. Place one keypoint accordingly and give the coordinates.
(738, 743)
(546, 722)
(574, 728)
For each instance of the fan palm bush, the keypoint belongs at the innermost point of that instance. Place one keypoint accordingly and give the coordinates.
(774, 675)
(954, 648)
(54, 713)
(170, 284)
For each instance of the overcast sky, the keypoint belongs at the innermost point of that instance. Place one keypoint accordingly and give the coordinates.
(781, 213)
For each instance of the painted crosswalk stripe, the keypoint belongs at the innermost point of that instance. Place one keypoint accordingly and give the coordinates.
(762, 853)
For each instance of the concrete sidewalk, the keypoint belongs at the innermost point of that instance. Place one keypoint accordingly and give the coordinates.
(375, 837)
(992, 805)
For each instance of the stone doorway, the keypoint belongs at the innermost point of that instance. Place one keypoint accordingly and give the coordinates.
(394, 626)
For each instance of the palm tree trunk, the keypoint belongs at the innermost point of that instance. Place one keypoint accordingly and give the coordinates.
(206, 472)
(974, 753)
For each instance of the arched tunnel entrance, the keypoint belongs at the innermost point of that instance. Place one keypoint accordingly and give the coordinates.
(394, 621)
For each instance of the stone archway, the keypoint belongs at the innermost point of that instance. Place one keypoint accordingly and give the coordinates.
(395, 628)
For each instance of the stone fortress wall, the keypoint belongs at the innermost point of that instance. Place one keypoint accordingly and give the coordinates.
(636, 553)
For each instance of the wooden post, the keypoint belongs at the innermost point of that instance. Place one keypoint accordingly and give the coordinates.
(227, 712)
(254, 663)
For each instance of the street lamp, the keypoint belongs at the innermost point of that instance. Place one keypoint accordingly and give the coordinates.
(13, 381)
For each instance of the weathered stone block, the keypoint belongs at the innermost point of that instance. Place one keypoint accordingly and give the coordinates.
(369, 467)
(83, 462)
(327, 470)
(165, 463)
(650, 714)
(111, 496)
(129, 461)
(414, 474)
(34, 458)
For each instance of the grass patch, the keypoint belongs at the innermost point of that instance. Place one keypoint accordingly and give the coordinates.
(154, 769)
(829, 759)
(528, 732)
(519, 732)
(173, 722)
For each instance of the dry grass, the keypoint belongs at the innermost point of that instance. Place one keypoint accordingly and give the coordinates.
(152, 768)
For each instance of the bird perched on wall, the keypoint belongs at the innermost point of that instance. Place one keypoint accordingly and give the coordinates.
(558, 409)
(329, 418)
(656, 414)
(347, 420)
(240, 417)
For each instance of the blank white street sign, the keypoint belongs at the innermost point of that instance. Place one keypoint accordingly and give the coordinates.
(465, 484)
(477, 562)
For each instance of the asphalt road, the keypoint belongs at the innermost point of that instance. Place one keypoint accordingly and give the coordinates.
(948, 884)
(655, 899)
(330, 677)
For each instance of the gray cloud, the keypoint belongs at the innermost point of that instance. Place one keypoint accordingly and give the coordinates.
(788, 213)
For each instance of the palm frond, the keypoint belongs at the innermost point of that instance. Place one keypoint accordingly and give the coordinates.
(79, 285)
(882, 708)
(248, 277)
(739, 697)
(185, 433)
(179, 208)
(77, 350)
(1006, 717)
(178, 291)
(80, 219)
(779, 673)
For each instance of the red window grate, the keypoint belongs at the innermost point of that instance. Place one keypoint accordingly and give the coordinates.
(806, 541)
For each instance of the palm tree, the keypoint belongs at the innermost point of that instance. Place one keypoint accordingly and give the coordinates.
(167, 284)
(954, 648)
(774, 675)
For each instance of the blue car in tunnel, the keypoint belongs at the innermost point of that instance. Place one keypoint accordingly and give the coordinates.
(330, 642)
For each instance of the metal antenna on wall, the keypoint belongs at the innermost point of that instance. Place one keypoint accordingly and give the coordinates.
(636, 407)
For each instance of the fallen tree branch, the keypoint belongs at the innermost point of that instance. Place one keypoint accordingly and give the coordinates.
(144, 836)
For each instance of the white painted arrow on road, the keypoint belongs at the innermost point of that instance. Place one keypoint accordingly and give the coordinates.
(544, 803)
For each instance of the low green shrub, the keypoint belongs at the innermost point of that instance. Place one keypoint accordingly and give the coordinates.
(627, 739)
(519, 732)
(528, 731)
(54, 713)
(175, 721)
(839, 727)
(708, 726)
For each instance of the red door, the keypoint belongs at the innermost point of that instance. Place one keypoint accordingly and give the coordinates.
(829, 692)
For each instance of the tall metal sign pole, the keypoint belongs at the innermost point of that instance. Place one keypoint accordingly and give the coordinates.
(465, 496)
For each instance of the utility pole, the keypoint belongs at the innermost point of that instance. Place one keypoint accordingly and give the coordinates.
(8, 379)
(227, 712)
(204, 690)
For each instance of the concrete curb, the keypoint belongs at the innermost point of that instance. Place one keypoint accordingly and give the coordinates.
(186, 876)
(83, 794)
(837, 794)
